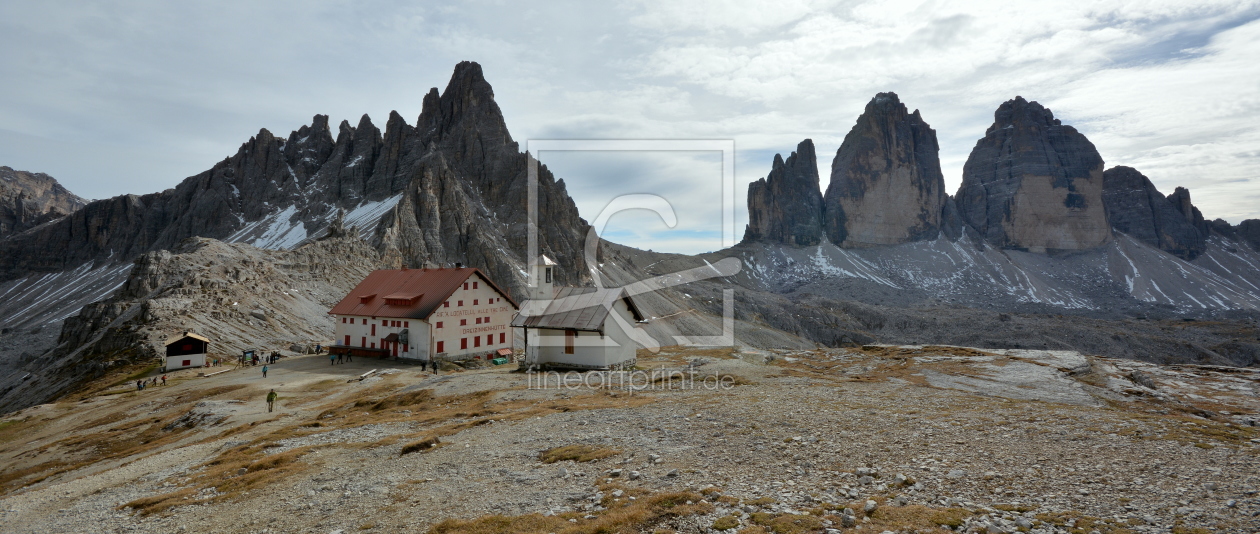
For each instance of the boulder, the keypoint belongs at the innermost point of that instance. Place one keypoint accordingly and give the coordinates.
(886, 184)
(786, 206)
(1033, 183)
(1137, 209)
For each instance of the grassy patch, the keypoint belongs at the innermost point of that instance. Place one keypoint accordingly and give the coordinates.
(913, 518)
(788, 523)
(231, 474)
(646, 514)
(11, 429)
(1085, 524)
(577, 453)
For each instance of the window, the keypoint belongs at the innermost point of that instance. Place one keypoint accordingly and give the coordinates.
(463, 343)
(465, 286)
(568, 341)
(347, 341)
(187, 363)
(474, 302)
(343, 320)
(461, 303)
(406, 324)
(363, 342)
(502, 337)
(439, 324)
(365, 321)
(478, 320)
(374, 329)
(441, 347)
(477, 341)
(489, 339)
(463, 322)
(549, 277)
(446, 304)
(474, 285)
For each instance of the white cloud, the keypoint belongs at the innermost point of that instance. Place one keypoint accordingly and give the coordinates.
(169, 89)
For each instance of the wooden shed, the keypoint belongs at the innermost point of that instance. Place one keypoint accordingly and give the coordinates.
(186, 350)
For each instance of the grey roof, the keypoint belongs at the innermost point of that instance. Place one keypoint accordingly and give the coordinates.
(574, 308)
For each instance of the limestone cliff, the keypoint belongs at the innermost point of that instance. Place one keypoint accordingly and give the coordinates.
(467, 191)
(786, 205)
(1033, 183)
(886, 183)
(1249, 232)
(1136, 208)
(453, 189)
(30, 199)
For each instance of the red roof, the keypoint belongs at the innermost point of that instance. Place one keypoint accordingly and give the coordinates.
(407, 293)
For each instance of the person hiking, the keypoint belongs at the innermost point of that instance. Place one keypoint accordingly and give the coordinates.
(332, 359)
(341, 358)
(139, 385)
(349, 357)
(271, 400)
(319, 349)
(163, 380)
(434, 363)
(265, 368)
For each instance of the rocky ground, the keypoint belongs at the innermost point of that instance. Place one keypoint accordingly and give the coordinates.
(873, 439)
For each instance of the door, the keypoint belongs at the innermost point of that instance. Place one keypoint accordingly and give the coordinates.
(395, 349)
(569, 336)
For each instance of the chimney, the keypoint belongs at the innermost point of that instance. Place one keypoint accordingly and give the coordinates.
(459, 265)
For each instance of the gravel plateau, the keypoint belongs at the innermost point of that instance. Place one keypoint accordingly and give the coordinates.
(870, 439)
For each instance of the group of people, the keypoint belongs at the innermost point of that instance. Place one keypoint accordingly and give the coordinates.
(144, 383)
(334, 359)
(253, 359)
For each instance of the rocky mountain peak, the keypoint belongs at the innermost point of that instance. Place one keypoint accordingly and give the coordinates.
(1033, 183)
(30, 199)
(889, 159)
(786, 205)
(1180, 199)
(468, 97)
(1137, 209)
(1020, 111)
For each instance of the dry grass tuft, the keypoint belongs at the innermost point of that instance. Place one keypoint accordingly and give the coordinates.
(161, 503)
(423, 445)
(577, 453)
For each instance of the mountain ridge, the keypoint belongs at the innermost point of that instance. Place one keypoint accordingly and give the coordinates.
(30, 199)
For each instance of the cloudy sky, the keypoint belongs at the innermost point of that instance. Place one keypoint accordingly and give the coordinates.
(134, 97)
